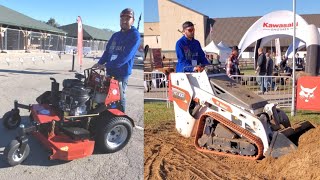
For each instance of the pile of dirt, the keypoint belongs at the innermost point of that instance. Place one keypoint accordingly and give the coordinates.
(168, 155)
(301, 164)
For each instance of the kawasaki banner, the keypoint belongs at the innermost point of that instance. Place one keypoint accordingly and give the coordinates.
(274, 25)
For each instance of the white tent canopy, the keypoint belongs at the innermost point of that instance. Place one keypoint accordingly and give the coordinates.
(224, 46)
(211, 48)
(279, 23)
(275, 25)
(223, 52)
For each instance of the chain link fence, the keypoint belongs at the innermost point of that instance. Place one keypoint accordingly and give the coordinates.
(14, 39)
(88, 45)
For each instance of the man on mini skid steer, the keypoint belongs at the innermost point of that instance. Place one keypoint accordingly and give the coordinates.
(189, 51)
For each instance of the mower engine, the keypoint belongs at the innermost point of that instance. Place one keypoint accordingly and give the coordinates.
(74, 97)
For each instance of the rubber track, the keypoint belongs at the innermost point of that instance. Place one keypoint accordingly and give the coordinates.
(251, 137)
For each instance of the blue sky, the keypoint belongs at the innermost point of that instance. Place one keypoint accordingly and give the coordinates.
(235, 8)
(96, 13)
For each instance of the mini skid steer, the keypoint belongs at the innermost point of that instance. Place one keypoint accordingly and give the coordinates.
(228, 119)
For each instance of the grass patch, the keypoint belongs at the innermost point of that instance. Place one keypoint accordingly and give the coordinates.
(156, 113)
(313, 117)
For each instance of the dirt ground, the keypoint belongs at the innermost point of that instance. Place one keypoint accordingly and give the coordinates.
(167, 155)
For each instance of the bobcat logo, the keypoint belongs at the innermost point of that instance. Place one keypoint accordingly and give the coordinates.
(307, 93)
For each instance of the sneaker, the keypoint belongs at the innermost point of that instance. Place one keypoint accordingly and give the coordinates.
(260, 93)
(275, 88)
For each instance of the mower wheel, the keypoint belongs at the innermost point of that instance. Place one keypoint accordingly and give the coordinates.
(11, 119)
(13, 154)
(113, 134)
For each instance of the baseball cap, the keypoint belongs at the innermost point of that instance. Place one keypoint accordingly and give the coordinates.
(187, 24)
(127, 12)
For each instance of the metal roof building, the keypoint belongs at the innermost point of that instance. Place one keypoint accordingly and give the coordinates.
(89, 32)
(15, 20)
(165, 33)
(20, 32)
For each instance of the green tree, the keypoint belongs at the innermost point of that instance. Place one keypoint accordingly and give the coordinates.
(52, 22)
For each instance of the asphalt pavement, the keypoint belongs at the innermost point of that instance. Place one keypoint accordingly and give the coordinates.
(26, 81)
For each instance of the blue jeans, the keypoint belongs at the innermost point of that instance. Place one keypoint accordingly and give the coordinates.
(268, 82)
(261, 82)
(123, 83)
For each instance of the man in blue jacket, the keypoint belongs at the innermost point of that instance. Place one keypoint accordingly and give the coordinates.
(120, 51)
(188, 50)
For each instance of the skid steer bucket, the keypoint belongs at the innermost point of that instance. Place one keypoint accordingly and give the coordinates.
(286, 140)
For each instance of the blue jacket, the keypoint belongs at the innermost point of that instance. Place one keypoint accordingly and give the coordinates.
(120, 52)
(188, 50)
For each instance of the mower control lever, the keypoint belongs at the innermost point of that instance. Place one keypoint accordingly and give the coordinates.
(53, 79)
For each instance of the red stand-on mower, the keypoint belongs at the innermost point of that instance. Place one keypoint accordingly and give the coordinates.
(71, 122)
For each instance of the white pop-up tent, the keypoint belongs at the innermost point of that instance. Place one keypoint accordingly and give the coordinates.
(211, 48)
(276, 24)
(280, 24)
(223, 52)
(224, 46)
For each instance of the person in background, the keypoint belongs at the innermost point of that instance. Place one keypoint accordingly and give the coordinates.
(261, 69)
(269, 72)
(283, 63)
(304, 61)
(216, 61)
(298, 61)
(232, 63)
(188, 50)
(120, 51)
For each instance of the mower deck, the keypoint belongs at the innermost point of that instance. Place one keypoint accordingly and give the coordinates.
(64, 148)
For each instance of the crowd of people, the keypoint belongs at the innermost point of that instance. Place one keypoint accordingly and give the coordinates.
(265, 67)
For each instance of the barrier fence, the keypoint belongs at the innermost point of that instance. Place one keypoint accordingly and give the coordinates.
(278, 88)
(156, 87)
(14, 39)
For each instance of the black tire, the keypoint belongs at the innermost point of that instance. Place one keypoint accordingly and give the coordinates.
(284, 119)
(114, 134)
(11, 119)
(12, 154)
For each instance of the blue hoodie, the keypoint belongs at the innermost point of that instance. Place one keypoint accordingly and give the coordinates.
(188, 50)
(120, 52)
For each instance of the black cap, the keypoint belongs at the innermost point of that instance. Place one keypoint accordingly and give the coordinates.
(235, 48)
(127, 12)
(187, 24)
